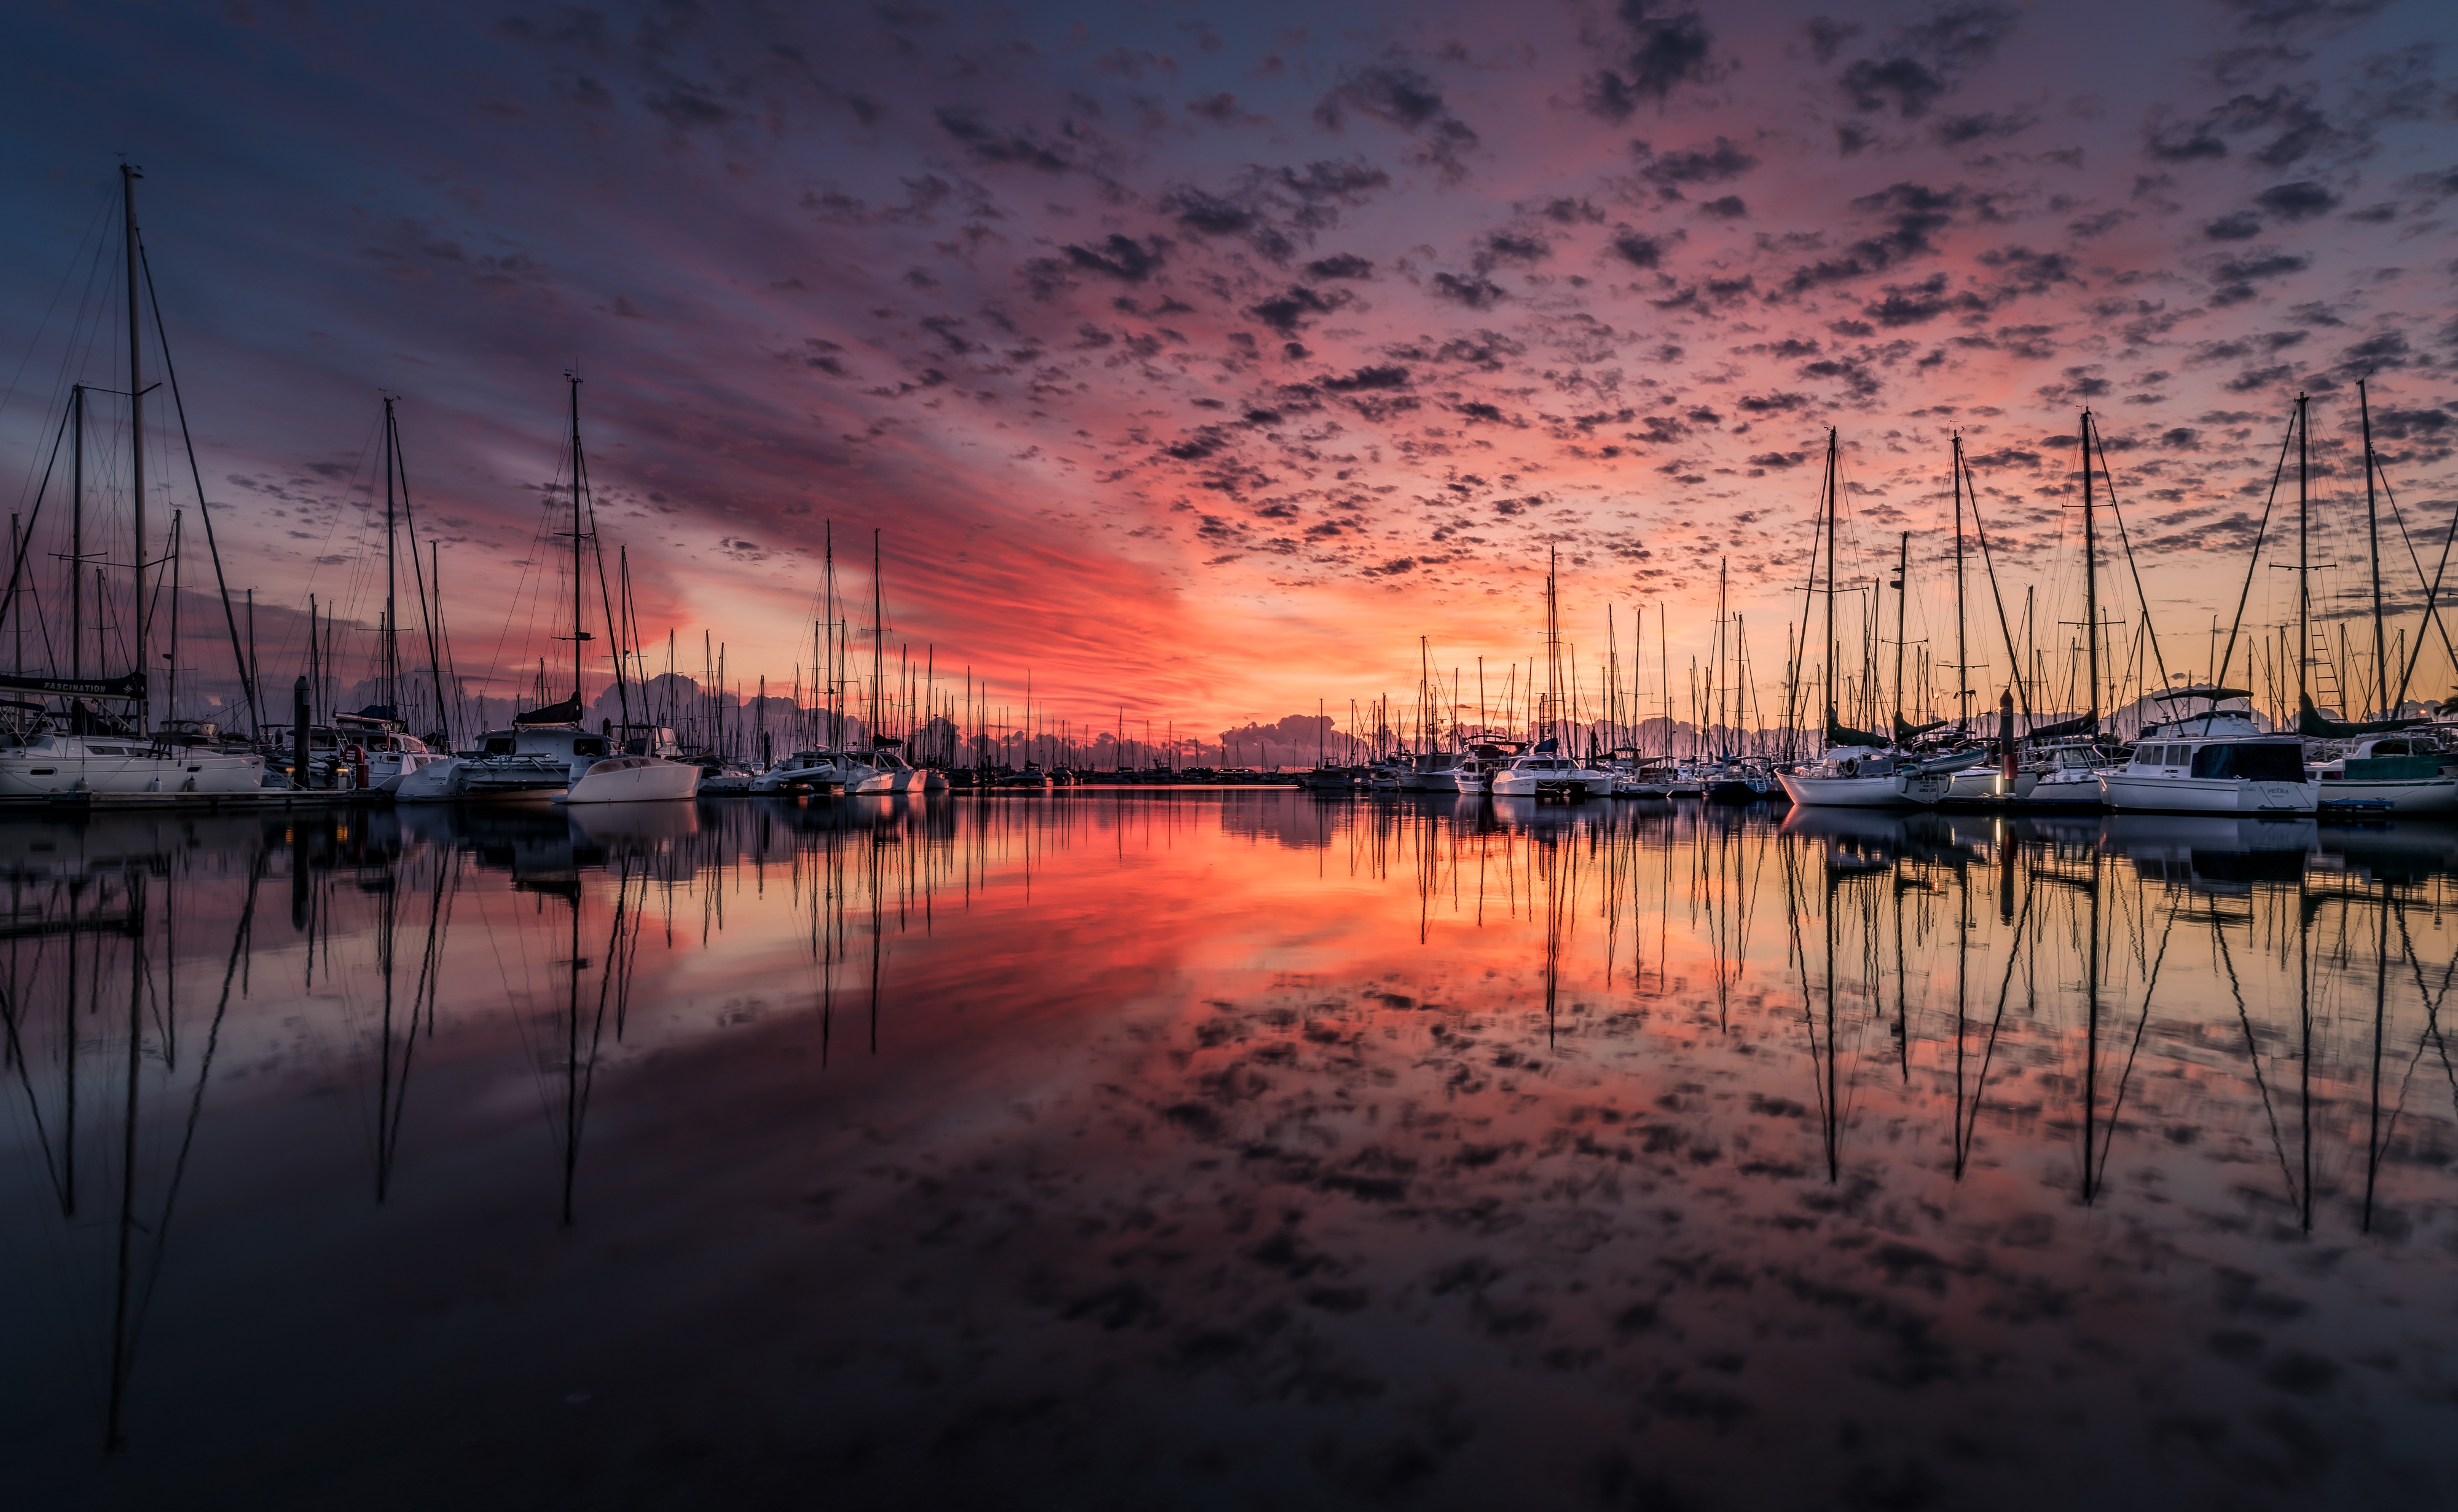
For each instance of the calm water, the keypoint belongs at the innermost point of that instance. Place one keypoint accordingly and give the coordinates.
(1227, 1149)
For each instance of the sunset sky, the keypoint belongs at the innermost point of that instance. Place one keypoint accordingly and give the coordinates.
(1201, 358)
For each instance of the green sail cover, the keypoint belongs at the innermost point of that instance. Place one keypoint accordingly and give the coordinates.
(1905, 731)
(2309, 722)
(1839, 734)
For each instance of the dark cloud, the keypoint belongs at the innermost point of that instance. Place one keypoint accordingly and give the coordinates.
(1730, 207)
(1341, 265)
(1366, 378)
(1477, 293)
(1285, 313)
(1509, 246)
(1639, 249)
(1924, 62)
(2302, 200)
(1404, 98)
(1919, 304)
(1209, 214)
(1653, 49)
(985, 144)
(2278, 17)
(2242, 225)
(1961, 130)
(1719, 161)
(2234, 280)
(1913, 213)
(1121, 257)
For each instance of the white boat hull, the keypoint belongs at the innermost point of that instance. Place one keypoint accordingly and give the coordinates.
(2186, 795)
(634, 780)
(1580, 784)
(164, 770)
(1895, 790)
(2078, 791)
(458, 779)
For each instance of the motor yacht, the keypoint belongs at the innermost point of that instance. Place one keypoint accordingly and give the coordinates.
(2219, 762)
(1545, 772)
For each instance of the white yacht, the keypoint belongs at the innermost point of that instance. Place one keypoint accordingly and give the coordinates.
(1477, 768)
(50, 763)
(1864, 778)
(2068, 773)
(2216, 763)
(903, 775)
(1545, 772)
(377, 751)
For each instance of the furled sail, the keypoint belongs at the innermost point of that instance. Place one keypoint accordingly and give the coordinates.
(567, 712)
(1841, 733)
(2311, 721)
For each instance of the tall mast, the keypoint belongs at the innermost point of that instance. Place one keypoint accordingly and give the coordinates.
(76, 535)
(2372, 530)
(1831, 647)
(2303, 572)
(392, 619)
(2090, 577)
(128, 177)
(578, 635)
(1962, 673)
(1903, 595)
(878, 641)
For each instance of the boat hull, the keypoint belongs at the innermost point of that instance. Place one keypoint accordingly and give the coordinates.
(1897, 790)
(165, 770)
(634, 780)
(2183, 794)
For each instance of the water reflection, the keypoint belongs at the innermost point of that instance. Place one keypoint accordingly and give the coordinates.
(1612, 1136)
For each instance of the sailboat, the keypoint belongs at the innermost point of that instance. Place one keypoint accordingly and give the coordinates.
(548, 755)
(1548, 769)
(77, 750)
(2218, 761)
(1858, 769)
(2384, 765)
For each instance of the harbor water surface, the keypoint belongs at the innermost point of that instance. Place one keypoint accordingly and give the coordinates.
(1236, 1149)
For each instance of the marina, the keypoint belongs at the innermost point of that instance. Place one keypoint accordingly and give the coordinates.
(1616, 757)
(1481, 1136)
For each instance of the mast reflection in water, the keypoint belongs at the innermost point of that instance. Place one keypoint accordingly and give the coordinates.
(1227, 1147)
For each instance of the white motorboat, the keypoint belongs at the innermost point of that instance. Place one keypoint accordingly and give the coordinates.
(47, 763)
(377, 751)
(2391, 774)
(1477, 768)
(2068, 773)
(903, 775)
(1545, 772)
(2217, 762)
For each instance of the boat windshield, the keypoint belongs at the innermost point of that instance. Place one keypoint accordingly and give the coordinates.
(2268, 761)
